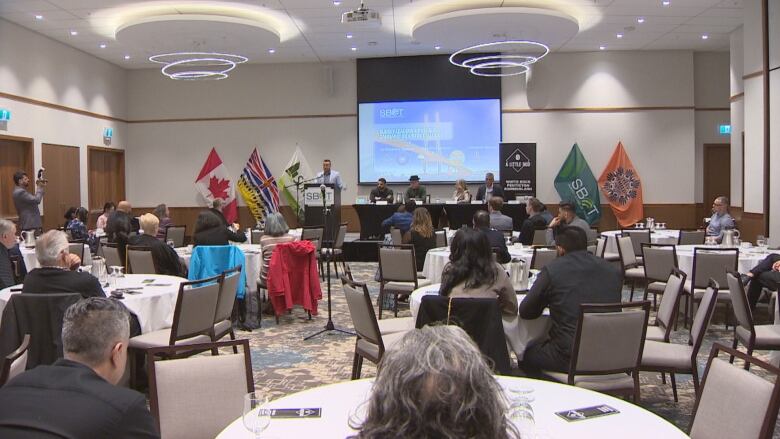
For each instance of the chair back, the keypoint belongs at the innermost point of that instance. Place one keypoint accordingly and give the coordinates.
(227, 294)
(182, 390)
(314, 234)
(626, 251)
(17, 262)
(540, 237)
(692, 237)
(176, 234)
(441, 238)
(111, 253)
(739, 301)
(77, 248)
(196, 306)
(733, 402)
(362, 312)
(638, 237)
(340, 236)
(397, 263)
(710, 263)
(140, 260)
(256, 236)
(701, 321)
(609, 338)
(542, 256)
(396, 237)
(659, 260)
(15, 362)
(601, 246)
(670, 301)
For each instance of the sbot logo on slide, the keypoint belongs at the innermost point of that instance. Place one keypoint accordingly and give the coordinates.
(517, 161)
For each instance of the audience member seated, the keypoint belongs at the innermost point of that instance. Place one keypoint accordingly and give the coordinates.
(7, 242)
(435, 383)
(381, 192)
(573, 278)
(415, 191)
(721, 219)
(78, 396)
(69, 215)
(496, 239)
(57, 269)
(236, 235)
(166, 261)
(536, 221)
(209, 230)
(764, 275)
(461, 194)
(118, 230)
(276, 232)
(102, 220)
(490, 189)
(567, 217)
(420, 235)
(124, 206)
(402, 219)
(164, 215)
(472, 272)
(78, 225)
(498, 220)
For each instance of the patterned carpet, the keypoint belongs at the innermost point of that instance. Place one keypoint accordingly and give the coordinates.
(284, 363)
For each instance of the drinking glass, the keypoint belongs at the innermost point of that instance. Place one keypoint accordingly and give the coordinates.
(521, 412)
(761, 242)
(257, 416)
(170, 243)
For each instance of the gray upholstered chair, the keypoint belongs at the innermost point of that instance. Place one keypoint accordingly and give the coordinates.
(198, 396)
(15, 362)
(257, 235)
(691, 237)
(632, 270)
(223, 322)
(638, 237)
(176, 234)
(441, 238)
(542, 256)
(397, 273)
(77, 248)
(681, 358)
(315, 234)
(601, 250)
(370, 343)
(338, 248)
(111, 253)
(710, 263)
(659, 261)
(670, 305)
(140, 260)
(396, 237)
(766, 337)
(540, 237)
(608, 348)
(735, 403)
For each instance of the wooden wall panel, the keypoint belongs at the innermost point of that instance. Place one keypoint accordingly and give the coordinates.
(63, 172)
(106, 176)
(16, 153)
(749, 224)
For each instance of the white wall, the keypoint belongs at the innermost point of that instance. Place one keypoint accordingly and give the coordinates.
(754, 109)
(774, 115)
(37, 67)
(737, 114)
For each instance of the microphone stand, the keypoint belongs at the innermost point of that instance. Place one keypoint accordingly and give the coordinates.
(329, 326)
(298, 182)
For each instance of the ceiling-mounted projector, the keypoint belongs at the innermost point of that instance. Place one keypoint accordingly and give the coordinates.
(361, 16)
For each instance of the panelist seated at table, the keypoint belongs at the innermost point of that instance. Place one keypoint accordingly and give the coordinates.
(461, 194)
(567, 217)
(435, 383)
(78, 396)
(381, 192)
(415, 191)
(166, 261)
(490, 189)
(421, 236)
(472, 272)
(573, 278)
(402, 219)
(210, 230)
(536, 221)
(498, 220)
(495, 238)
(56, 274)
(721, 219)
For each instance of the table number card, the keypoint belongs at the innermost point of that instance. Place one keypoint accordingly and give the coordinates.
(595, 411)
(296, 413)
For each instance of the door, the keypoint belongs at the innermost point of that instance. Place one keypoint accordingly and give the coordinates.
(16, 154)
(106, 176)
(717, 173)
(64, 188)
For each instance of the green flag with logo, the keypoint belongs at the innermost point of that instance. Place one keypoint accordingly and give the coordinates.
(576, 184)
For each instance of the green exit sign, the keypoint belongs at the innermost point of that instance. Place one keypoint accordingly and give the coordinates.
(5, 115)
(724, 129)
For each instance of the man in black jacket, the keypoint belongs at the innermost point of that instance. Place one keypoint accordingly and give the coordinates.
(536, 221)
(166, 261)
(7, 242)
(77, 397)
(573, 278)
(235, 236)
(56, 273)
(764, 275)
(490, 188)
(497, 242)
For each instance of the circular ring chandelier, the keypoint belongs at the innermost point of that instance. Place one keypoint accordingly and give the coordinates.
(512, 57)
(197, 65)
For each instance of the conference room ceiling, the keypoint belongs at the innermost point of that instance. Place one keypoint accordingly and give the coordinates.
(311, 30)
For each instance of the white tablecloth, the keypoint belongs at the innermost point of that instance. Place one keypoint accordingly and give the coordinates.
(345, 400)
(437, 258)
(519, 332)
(30, 261)
(154, 305)
(659, 236)
(253, 254)
(748, 257)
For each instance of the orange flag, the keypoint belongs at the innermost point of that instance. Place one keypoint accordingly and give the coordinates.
(621, 184)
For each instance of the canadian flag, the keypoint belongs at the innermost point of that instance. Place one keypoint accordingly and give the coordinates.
(214, 182)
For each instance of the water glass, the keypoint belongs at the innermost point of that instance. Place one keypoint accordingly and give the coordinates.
(257, 415)
(521, 412)
(170, 243)
(761, 242)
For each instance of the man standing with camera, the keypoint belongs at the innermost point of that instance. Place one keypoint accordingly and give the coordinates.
(27, 203)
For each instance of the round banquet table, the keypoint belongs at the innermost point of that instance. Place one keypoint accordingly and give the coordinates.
(748, 257)
(658, 236)
(253, 255)
(153, 306)
(519, 332)
(30, 261)
(346, 402)
(437, 258)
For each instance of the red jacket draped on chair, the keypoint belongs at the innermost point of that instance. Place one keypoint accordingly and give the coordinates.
(293, 277)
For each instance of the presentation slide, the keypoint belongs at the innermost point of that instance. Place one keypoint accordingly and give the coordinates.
(441, 141)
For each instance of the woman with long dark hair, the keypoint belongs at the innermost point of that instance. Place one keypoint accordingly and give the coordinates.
(420, 235)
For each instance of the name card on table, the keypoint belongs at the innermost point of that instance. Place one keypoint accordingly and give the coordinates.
(477, 202)
(595, 411)
(450, 202)
(296, 413)
(381, 203)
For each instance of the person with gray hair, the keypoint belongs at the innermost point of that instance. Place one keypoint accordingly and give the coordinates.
(78, 396)
(490, 189)
(276, 232)
(435, 383)
(721, 219)
(56, 274)
(7, 243)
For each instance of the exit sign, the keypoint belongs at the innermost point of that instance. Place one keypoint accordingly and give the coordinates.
(724, 129)
(5, 115)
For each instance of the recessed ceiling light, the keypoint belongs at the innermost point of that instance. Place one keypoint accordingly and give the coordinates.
(354, 49)
(602, 47)
(437, 47)
(705, 37)
(73, 33)
(640, 20)
(102, 45)
(349, 36)
(336, 3)
(271, 51)
(127, 56)
(666, 2)
(619, 36)
(39, 17)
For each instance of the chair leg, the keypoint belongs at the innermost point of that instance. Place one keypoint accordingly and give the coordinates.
(733, 346)
(663, 377)
(695, 377)
(233, 337)
(674, 386)
(749, 352)
(395, 304)
(631, 297)
(381, 299)
(637, 395)
(359, 367)
(355, 366)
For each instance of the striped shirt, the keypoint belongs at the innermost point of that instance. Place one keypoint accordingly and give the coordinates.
(268, 243)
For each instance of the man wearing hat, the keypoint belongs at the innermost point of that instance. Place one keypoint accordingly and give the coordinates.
(415, 190)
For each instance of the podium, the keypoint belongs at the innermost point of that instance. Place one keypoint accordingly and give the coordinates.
(313, 213)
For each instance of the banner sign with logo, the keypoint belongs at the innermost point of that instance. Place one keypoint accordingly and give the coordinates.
(518, 169)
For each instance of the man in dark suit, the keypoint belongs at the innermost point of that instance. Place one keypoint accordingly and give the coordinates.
(535, 221)
(490, 188)
(235, 236)
(166, 261)
(56, 273)
(764, 275)
(497, 242)
(77, 396)
(573, 278)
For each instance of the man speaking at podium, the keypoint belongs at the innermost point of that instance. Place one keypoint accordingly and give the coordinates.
(329, 176)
